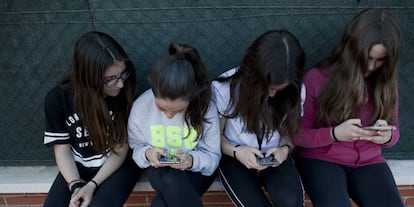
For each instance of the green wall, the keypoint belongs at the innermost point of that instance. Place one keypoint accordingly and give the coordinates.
(37, 38)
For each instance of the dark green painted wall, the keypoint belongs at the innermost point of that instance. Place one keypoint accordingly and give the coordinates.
(37, 38)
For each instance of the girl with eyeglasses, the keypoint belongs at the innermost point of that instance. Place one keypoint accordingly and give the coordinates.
(86, 123)
(175, 118)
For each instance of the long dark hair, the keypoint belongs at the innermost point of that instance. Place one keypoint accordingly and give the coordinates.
(182, 75)
(274, 58)
(346, 89)
(94, 52)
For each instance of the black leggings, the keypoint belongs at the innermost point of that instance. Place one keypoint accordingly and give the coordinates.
(113, 192)
(330, 184)
(244, 186)
(178, 188)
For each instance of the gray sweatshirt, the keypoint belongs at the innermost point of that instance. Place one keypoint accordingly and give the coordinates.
(149, 127)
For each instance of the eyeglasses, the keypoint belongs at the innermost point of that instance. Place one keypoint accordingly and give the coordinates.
(112, 81)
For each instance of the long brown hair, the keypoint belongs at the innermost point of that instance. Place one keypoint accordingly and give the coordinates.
(182, 75)
(274, 58)
(94, 52)
(346, 89)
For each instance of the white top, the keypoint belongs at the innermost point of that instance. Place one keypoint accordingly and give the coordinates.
(234, 130)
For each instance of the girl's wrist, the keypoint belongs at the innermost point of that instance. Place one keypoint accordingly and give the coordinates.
(389, 140)
(234, 151)
(146, 155)
(286, 146)
(77, 183)
(335, 139)
(72, 182)
(94, 182)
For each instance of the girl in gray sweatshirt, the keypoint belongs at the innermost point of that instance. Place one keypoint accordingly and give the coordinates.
(175, 120)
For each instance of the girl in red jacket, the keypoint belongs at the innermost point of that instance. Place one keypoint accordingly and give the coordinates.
(353, 88)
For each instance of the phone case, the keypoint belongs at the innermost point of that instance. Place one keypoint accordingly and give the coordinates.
(169, 160)
(267, 161)
(378, 128)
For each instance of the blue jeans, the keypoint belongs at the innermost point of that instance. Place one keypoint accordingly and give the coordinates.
(245, 186)
(330, 184)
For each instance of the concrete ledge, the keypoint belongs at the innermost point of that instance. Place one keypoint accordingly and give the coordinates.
(38, 179)
(403, 171)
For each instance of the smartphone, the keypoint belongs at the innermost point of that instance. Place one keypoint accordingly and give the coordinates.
(169, 159)
(267, 161)
(379, 128)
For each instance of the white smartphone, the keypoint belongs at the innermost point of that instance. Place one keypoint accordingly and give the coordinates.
(379, 128)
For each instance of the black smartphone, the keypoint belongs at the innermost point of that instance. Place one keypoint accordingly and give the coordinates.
(268, 161)
(171, 159)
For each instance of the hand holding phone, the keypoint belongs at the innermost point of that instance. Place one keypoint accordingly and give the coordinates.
(267, 161)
